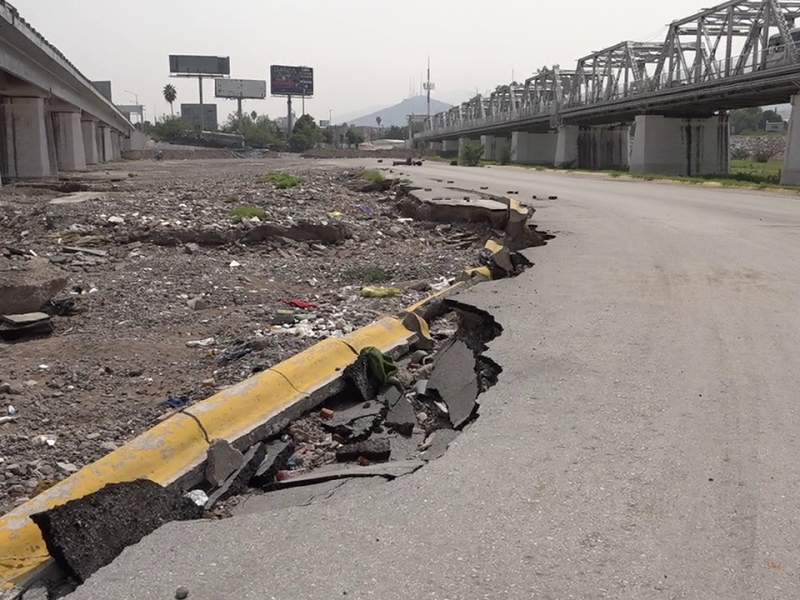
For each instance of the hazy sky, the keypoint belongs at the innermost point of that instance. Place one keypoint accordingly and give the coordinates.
(364, 52)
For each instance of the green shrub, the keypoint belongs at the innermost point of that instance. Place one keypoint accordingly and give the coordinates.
(372, 175)
(246, 212)
(367, 274)
(470, 154)
(280, 180)
(504, 154)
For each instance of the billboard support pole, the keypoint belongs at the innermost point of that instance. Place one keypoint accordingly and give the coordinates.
(241, 118)
(304, 104)
(289, 123)
(202, 110)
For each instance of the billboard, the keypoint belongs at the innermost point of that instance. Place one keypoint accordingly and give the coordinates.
(240, 88)
(199, 65)
(191, 112)
(291, 81)
(104, 87)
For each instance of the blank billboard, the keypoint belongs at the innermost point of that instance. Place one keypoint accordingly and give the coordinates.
(240, 88)
(291, 81)
(191, 112)
(180, 64)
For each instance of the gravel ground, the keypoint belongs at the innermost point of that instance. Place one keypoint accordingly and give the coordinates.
(170, 267)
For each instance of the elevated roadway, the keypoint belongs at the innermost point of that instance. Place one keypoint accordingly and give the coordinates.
(51, 116)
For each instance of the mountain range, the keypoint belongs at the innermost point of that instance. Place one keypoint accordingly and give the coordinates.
(398, 114)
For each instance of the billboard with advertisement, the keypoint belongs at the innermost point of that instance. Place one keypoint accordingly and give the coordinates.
(240, 88)
(180, 64)
(291, 81)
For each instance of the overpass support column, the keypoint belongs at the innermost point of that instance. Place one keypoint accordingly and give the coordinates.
(790, 175)
(105, 149)
(26, 140)
(435, 146)
(604, 147)
(450, 146)
(70, 151)
(116, 145)
(673, 146)
(533, 148)
(493, 146)
(89, 130)
(567, 154)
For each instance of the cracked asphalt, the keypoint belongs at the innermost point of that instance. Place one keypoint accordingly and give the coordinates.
(641, 442)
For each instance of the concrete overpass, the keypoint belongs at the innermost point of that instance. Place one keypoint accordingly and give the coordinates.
(677, 93)
(51, 117)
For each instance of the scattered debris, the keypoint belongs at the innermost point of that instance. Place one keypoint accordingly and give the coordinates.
(222, 460)
(372, 449)
(455, 382)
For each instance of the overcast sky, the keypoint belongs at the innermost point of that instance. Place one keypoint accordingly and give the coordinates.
(364, 52)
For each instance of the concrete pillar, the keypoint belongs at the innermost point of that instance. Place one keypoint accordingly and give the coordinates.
(26, 148)
(493, 146)
(116, 145)
(450, 146)
(105, 149)
(89, 130)
(435, 146)
(533, 148)
(567, 147)
(791, 159)
(674, 146)
(605, 147)
(70, 152)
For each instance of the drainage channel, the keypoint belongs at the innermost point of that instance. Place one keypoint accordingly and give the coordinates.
(390, 417)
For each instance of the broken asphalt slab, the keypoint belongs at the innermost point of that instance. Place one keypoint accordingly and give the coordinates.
(87, 534)
(400, 416)
(390, 470)
(373, 449)
(455, 381)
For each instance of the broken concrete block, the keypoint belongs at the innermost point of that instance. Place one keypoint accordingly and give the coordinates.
(355, 422)
(85, 535)
(277, 453)
(237, 482)
(359, 376)
(222, 460)
(372, 449)
(401, 416)
(31, 287)
(455, 382)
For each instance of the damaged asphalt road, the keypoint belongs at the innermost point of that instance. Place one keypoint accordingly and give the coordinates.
(640, 442)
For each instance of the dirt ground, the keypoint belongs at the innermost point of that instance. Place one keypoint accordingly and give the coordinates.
(170, 260)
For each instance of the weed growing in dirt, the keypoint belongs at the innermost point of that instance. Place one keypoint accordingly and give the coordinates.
(366, 274)
(280, 180)
(372, 175)
(246, 212)
(232, 199)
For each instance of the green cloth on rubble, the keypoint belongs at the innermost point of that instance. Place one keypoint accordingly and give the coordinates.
(381, 365)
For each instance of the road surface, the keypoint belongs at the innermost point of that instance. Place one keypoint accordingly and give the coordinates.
(642, 441)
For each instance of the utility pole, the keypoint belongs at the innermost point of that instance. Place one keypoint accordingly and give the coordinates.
(429, 86)
(241, 118)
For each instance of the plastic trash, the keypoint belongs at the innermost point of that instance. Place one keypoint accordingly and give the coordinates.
(380, 291)
(199, 497)
(12, 410)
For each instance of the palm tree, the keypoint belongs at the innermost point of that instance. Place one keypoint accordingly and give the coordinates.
(170, 95)
(378, 120)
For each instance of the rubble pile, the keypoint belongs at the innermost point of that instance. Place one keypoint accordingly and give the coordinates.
(161, 283)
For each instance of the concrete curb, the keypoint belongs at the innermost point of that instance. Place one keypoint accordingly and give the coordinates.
(174, 451)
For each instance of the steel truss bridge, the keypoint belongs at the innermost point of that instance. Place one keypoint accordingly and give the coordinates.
(737, 54)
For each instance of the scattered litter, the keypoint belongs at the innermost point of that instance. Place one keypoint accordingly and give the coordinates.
(235, 263)
(199, 497)
(12, 410)
(300, 304)
(205, 343)
(175, 403)
(380, 292)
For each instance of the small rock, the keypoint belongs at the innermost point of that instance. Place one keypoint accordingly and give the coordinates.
(116, 220)
(92, 436)
(109, 446)
(67, 467)
(205, 343)
(209, 383)
(12, 389)
(197, 304)
(182, 593)
(223, 459)
(422, 417)
(326, 413)
(191, 248)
